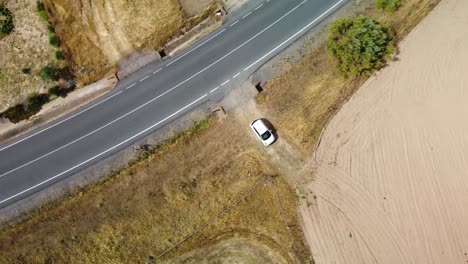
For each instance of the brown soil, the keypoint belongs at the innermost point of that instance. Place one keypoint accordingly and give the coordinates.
(193, 7)
(391, 181)
(153, 205)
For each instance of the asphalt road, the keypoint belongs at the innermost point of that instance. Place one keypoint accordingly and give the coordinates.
(154, 96)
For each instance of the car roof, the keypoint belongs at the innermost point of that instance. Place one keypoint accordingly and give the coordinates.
(259, 126)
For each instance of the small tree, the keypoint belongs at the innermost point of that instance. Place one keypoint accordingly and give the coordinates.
(41, 10)
(389, 6)
(59, 55)
(359, 46)
(54, 40)
(6, 20)
(50, 73)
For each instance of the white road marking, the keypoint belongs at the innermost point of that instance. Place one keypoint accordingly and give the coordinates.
(258, 7)
(201, 44)
(58, 123)
(209, 66)
(80, 138)
(104, 152)
(237, 21)
(142, 79)
(293, 36)
(156, 71)
(130, 86)
(237, 75)
(246, 15)
(227, 81)
(215, 89)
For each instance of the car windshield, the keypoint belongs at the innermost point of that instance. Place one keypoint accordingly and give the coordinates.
(266, 135)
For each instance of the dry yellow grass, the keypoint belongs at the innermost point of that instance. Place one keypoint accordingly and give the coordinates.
(302, 100)
(154, 204)
(96, 34)
(26, 47)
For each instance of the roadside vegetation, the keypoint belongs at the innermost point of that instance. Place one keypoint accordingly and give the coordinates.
(56, 74)
(389, 6)
(359, 46)
(6, 20)
(301, 101)
(190, 200)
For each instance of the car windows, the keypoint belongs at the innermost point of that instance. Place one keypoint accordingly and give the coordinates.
(266, 135)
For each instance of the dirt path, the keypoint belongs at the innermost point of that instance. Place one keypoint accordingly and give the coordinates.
(391, 181)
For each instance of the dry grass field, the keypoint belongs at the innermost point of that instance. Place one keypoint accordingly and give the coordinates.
(27, 47)
(151, 206)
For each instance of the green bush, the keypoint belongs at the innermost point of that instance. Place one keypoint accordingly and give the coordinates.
(41, 10)
(54, 40)
(51, 29)
(21, 112)
(388, 5)
(50, 73)
(26, 70)
(60, 91)
(359, 46)
(40, 6)
(6, 20)
(59, 55)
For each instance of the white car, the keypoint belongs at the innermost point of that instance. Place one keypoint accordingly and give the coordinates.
(262, 131)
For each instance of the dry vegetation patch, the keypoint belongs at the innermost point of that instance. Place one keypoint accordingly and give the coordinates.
(303, 99)
(97, 34)
(151, 206)
(22, 55)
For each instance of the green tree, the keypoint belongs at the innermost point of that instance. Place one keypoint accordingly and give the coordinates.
(54, 40)
(389, 6)
(50, 73)
(6, 20)
(59, 55)
(359, 45)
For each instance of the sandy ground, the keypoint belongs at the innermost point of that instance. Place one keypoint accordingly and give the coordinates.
(391, 178)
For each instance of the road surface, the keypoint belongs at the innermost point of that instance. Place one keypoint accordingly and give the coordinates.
(154, 97)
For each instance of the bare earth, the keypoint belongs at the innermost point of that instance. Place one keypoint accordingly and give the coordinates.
(391, 181)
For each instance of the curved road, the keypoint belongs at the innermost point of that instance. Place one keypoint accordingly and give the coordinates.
(154, 97)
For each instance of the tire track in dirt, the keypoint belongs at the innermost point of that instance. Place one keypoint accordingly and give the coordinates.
(392, 167)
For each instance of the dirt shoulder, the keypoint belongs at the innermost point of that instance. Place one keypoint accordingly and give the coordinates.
(390, 184)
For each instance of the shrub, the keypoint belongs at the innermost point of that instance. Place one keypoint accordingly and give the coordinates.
(41, 10)
(359, 46)
(388, 5)
(54, 40)
(51, 29)
(50, 73)
(6, 20)
(26, 70)
(60, 91)
(40, 6)
(21, 112)
(59, 55)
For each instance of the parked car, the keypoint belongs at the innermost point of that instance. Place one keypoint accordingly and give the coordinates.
(263, 132)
